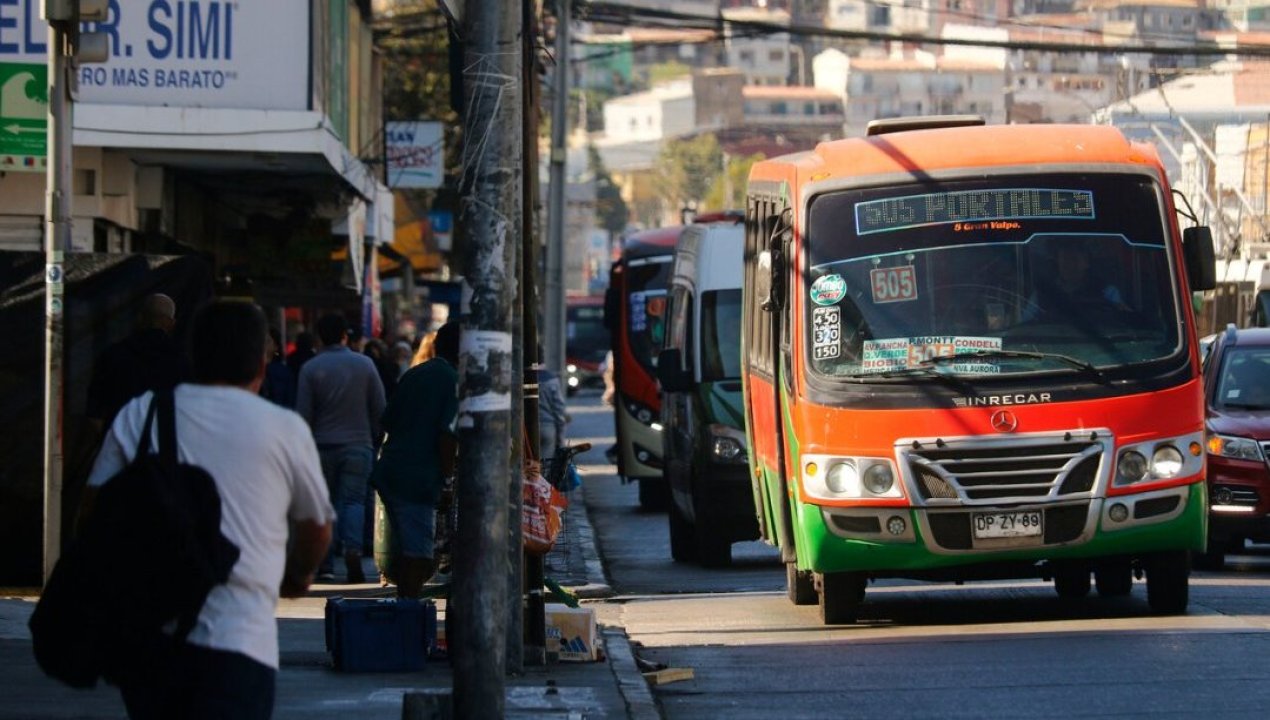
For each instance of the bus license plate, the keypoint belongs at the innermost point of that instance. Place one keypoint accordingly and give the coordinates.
(1007, 524)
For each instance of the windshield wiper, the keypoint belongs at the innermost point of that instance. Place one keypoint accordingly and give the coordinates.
(921, 371)
(1015, 355)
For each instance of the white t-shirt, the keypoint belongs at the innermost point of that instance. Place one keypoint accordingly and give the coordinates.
(266, 468)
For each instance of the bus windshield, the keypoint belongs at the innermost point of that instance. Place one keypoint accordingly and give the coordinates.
(720, 341)
(1020, 273)
(586, 337)
(647, 283)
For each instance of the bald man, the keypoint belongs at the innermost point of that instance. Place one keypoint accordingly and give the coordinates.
(147, 359)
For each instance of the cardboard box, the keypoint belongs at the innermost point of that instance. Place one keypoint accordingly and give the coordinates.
(572, 633)
(374, 635)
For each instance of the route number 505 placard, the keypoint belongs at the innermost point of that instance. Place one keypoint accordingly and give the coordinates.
(893, 284)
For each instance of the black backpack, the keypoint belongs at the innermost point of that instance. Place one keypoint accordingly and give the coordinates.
(101, 613)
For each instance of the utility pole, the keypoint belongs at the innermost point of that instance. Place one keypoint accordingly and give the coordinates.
(65, 43)
(490, 218)
(533, 639)
(554, 317)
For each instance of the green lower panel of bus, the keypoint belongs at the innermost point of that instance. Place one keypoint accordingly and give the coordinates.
(915, 540)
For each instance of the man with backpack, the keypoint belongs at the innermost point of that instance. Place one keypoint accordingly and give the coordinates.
(266, 470)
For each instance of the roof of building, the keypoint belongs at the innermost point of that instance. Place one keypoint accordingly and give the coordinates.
(675, 90)
(1110, 4)
(1046, 34)
(914, 64)
(1226, 89)
(668, 36)
(787, 92)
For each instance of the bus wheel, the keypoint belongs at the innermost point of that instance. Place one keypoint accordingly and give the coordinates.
(654, 493)
(800, 585)
(840, 597)
(1168, 582)
(1071, 582)
(1114, 579)
(681, 536)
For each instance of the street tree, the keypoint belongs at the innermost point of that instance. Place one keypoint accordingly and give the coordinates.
(728, 191)
(610, 208)
(687, 169)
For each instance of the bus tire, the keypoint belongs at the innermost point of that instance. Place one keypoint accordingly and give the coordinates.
(1114, 579)
(1168, 582)
(654, 493)
(682, 537)
(800, 585)
(840, 596)
(1071, 582)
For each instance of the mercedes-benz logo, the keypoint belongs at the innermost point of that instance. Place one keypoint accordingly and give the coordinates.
(1004, 421)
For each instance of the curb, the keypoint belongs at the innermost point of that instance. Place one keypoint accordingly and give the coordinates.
(634, 689)
(640, 704)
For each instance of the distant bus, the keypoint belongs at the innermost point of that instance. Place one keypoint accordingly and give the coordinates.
(586, 342)
(636, 313)
(970, 353)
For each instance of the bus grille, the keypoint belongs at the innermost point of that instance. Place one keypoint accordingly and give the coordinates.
(1028, 470)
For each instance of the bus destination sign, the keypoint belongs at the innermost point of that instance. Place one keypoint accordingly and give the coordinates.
(910, 211)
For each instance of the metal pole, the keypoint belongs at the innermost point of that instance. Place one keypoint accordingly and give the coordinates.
(490, 218)
(554, 317)
(533, 640)
(57, 235)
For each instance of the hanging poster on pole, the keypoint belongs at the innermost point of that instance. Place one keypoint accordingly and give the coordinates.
(416, 154)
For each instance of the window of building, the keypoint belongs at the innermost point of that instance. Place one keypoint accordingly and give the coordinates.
(778, 108)
(746, 57)
(809, 109)
(776, 56)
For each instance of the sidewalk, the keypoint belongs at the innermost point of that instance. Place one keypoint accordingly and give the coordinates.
(308, 689)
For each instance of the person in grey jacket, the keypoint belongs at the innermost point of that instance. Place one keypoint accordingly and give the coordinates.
(552, 416)
(340, 395)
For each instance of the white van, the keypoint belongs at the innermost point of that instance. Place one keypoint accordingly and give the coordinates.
(711, 499)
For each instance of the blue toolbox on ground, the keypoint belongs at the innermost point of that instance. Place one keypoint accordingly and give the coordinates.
(380, 635)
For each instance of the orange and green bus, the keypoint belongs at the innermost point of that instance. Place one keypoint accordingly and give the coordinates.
(969, 353)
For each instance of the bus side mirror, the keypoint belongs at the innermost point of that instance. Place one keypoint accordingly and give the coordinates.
(670, 372)
(765, 286)
(1201, 266)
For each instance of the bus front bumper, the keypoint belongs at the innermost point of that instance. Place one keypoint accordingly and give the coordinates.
(907, 541)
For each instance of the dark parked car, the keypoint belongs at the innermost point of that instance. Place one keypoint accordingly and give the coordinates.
(1237, 388)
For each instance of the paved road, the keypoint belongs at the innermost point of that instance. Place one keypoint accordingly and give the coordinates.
(1005, 649)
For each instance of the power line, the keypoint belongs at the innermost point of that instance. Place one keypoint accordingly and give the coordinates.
(621, 14)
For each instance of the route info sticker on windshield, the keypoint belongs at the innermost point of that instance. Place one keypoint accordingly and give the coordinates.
(900, 353)
(826, 323)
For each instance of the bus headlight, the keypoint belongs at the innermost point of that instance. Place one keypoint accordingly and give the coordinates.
(856, 478)
(1132, 466)
(879, 479)
(727, 444)
(641, 412)
(1166, 462)
(843, 479)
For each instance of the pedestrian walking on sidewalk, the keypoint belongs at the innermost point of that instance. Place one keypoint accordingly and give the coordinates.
(341, 397)
(416, 458)
(149, 358)
(266, 470)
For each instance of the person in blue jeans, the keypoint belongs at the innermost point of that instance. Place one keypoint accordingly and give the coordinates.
(340, 395)
(417, 456)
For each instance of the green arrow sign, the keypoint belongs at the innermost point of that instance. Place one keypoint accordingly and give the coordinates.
(23, 117)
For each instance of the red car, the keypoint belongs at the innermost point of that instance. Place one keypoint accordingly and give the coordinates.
(1237, 388)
